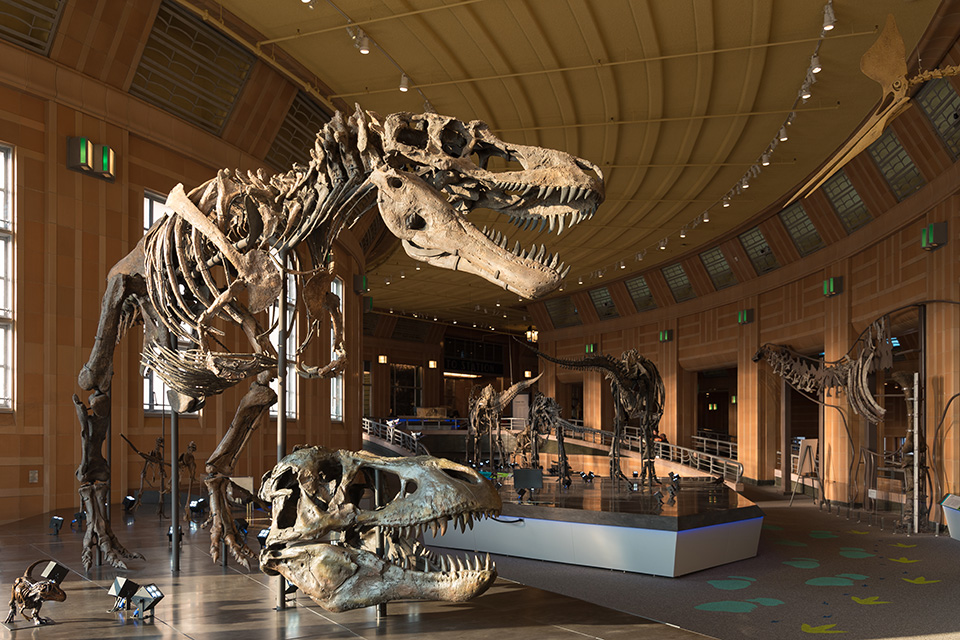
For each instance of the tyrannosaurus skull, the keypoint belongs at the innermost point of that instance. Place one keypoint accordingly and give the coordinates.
(440, 170)
(323, 534)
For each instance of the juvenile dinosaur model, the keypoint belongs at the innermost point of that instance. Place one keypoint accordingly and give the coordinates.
(638, 392)
(222, 255)
(29, 595)
(544, 418)
(316, 492)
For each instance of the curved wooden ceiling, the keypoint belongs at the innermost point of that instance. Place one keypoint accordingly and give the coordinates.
(675, 100)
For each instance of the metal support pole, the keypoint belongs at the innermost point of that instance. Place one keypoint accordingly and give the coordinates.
(916, 453)
(282, 398)
(378, 502)
(174, 481)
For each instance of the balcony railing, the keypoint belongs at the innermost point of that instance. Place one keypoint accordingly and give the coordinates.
(395, 435)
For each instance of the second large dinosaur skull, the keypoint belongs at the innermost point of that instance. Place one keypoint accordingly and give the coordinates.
(323, 534)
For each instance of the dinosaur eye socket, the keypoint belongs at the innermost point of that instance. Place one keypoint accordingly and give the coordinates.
(395, 183)
(415, 222)
(452, 139)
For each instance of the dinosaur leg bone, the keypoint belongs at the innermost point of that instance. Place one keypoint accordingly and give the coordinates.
(94, 477)
(220, 466)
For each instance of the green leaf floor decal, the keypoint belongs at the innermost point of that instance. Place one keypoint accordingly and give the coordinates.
(792, 543)
(854, 552)
(735, 582)
(839, 580)
(803, 563)
(738, 606)
(823, 534)
(824, 628)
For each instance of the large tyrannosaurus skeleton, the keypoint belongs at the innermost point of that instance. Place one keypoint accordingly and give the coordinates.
(638, 392)
(220, 258)
(486, 409)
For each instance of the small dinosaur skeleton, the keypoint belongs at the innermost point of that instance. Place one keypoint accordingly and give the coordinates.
(29, 595)
(316, 492)
(221, 257)
(638, 392)
(545, 418)
(847, 375)
(486, 407)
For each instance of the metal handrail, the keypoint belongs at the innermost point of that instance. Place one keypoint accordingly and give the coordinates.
(722, 448)
(394, 435)
(731, 470)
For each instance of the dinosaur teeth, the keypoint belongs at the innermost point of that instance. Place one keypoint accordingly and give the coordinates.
(564, 193)
(549, 192)
(563, 274)
(553, 263)
(540, 253)
(443, 525)
(543, 222)
(527, 191)
(553, 222)
(563, 218)
(434, 527)
(486, 564)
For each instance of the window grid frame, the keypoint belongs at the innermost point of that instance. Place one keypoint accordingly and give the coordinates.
(678, 282)
(897, 167)
(846, 202)
(718, 268)
(806, 238)
(7, 283)
(761, 254)
(336, 382)
(292, 378)
(640, 292)
(939, 100)
(563, 312)
(603, 303)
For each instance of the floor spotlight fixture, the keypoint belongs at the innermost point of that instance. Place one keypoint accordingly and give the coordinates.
(145, 599)
(198, 506)
(54, 572)
(128, 503)
(404, 83)
(179, 534)
(55, 523)
(79, 519)
(122, 589)
(262, 537)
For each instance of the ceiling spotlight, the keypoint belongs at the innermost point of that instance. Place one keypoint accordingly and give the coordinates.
(402, 275)
(580, 280)
(623, 265)
(663, 244)
(745, 183)
(683, 232)
(765, 159)
(805, 92)
(639, 256)
(726, 201)
(404, 83)
(783, 134)
(815, 64)
(363, 43)
(706, 216)
(829, 18)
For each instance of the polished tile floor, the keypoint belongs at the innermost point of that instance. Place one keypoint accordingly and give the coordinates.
(207, 600)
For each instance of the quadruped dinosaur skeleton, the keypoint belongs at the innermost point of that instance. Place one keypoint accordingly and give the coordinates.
(486, 406)
(638, 392)
(220, 257)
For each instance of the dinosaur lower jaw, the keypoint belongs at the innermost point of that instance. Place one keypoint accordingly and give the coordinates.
(341, 577)
(525, 275)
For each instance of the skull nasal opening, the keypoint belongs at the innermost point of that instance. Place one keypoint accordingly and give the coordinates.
(415, 222)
